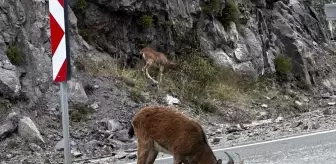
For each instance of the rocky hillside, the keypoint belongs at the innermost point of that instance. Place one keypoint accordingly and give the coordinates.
(240, 61)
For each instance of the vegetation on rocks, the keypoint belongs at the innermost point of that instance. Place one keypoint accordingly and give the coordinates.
(81, 5)
(230, 13)
(146, 21)
(80, 113)
(14, 55)
(283, 66)
(211, 6)
(198, 81)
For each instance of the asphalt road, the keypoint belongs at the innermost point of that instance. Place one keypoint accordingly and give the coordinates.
(315, 148)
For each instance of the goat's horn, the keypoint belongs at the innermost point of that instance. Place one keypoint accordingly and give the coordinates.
(240, 160)
(230, 158)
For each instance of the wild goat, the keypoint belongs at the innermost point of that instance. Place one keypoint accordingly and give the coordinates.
(151, 56)
(164, 129)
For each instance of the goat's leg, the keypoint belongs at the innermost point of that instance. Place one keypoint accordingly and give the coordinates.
(150, 76)
(152, 156)
(144, 148)
(146, 65)
(177, 159)
(161, 73)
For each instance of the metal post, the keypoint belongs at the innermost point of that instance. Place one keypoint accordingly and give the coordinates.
(65, 122)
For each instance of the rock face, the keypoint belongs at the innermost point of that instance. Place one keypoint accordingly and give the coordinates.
(25, 27)
(267, 29)
(120, 28)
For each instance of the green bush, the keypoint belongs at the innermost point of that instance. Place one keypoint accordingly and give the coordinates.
(283, 67)
(136, 95)
(84, 33)
(80, 113)
(206, 105)
(14, 55)
(81, 4)
(230, 13)
(146, 21)
(283, 64)
(212, 6)
(199, 81)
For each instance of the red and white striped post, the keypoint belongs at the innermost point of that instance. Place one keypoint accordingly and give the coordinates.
(60, 51)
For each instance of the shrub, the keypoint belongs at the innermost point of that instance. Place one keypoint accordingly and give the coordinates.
(13, 54)
(283, 67)
(283, 64)
(200, 81)
(96, 68)
(146, 21)
(12, 144)
(212, 6)
(81, 4)
(84, 33)
(136, 95)
(80, 112)
(206, 105)
(230, 13)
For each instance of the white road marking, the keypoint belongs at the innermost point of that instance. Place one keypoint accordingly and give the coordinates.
(260, 143)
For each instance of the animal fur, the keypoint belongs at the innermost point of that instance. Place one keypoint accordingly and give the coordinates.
(151, 56)
(164, 129)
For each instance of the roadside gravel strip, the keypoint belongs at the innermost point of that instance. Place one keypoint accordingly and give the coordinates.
(265, 131)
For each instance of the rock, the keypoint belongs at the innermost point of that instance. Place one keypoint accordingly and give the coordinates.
(60, 144)
(264, 105)
(231, 137)
(34, 147)
(132, 156)
(296, 124)
(304, 127)
(10, 125)
(77, 93)
(96, 86)
(13, 118)
(219, 131)
(121, 155)
(279, 119)
(170, 100)
(275, 128)
(94, 106)
(28, 131)
(9, 83)
(113, 125)
(263, 116)
(242, 126)
(325, 95)
(331, 103)
(91, 145)
(122, 135)
(232, 129)
(298, 103)
(327, 111)
(315, 126)
(123, 146)
(76, 153)
(216, 140)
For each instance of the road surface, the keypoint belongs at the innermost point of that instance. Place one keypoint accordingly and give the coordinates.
(315, 148)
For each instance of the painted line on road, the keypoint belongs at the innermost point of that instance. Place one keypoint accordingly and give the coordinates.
(260, 143)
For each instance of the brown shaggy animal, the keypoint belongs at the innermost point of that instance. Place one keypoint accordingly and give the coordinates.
(164, 129)
(151, 56)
